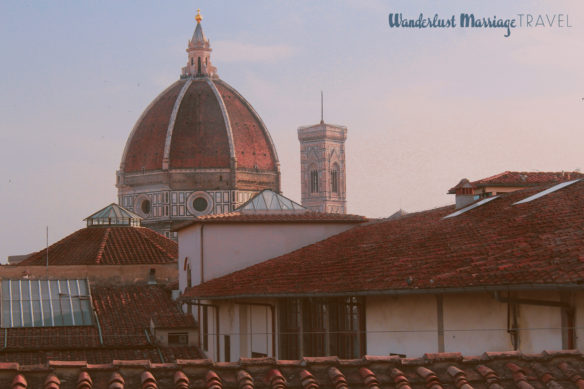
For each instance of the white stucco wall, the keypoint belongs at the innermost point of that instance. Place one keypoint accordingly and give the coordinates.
(401, 325)
(408, 324)
(540, 326)
(474, 323)
(231, 247)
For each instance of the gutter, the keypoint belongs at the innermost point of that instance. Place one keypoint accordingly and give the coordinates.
(202, 255)
(520, 301)
(395, 292)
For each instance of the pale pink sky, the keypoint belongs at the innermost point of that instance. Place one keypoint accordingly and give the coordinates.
(424, 108)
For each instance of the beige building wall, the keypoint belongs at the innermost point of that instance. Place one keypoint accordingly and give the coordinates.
(401, 325)
(412, 325)
(540, 326)
(470, 323)
(474, 323)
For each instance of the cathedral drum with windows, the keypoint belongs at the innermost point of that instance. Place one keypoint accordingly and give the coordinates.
(199, 148)
(322, 167)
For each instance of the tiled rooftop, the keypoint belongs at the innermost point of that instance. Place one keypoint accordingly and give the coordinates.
(124, 314)
(496, 245)
(108, 246)
(509, 370)
(523, 179)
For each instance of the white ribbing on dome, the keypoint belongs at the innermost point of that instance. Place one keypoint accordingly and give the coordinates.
(227, 121)
(170, 129)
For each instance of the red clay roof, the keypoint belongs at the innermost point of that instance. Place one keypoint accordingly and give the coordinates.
(275, 217)
(497, 244)
(124, 315)
(523, 179)
(251, 138)
(492, 370)
(200, 137)
(146, 148)
(108, 246)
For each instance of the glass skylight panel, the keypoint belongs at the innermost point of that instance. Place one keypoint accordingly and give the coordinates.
(268, 200)
(545, 192)
(271, 200)
(473, 206)
(286, 203)
(113, 214)
(45, 303)
(259, 203)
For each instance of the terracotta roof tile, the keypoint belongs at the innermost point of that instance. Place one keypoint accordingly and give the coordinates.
(199, 139)
(199, 133)
(124, 314)
(522, 371)
(497, 244)
(108, 246)
(522, 179)
(145, 148)
(250, 137)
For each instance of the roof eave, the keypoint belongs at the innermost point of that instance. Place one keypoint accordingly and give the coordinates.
(394, 292)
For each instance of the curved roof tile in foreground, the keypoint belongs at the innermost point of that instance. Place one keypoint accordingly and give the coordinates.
(492, 370)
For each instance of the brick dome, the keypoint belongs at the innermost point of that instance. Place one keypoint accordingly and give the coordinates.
(199, 123)
(199, 148)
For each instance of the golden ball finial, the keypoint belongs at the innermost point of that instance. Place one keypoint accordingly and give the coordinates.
(198, 18)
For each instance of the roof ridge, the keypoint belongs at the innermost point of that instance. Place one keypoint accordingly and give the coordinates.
(102, 245)
(51, 247)
(142, 230)
(491, 177)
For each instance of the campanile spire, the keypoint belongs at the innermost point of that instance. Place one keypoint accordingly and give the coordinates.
(199, 54)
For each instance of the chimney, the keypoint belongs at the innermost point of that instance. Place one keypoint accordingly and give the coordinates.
(464, 194)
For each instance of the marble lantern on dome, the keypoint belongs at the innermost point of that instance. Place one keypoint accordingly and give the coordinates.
(199, 148)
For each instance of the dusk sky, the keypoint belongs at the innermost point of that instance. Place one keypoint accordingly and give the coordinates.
(424, 107)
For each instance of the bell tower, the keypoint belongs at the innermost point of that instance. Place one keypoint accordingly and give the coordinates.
(322, 167)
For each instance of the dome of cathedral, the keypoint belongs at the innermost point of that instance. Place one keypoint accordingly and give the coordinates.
(198, 148)
(199, 123)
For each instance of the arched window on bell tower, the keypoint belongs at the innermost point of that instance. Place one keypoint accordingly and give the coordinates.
(314, 181)
(335, 178)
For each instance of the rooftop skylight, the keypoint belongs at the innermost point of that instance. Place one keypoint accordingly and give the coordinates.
(45, 303)
(113, 214)
(473, 206)
(547, 191)
(268, 200)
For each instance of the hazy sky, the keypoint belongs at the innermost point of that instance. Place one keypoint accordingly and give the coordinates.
(424, 108)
